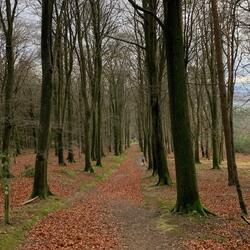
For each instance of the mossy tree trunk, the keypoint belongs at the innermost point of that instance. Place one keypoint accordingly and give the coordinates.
(8, 26)
(187, 191)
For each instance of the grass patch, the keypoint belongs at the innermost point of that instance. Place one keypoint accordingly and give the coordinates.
(163, 224)
(29, 171)
(12, 235)
(67, 171)
(109, 167)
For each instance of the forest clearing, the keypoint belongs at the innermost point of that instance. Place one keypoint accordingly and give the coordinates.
(124, 124)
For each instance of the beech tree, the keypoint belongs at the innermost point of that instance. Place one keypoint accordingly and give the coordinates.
(40, 186)
(187, 191)
(232, 167)
(7, 23)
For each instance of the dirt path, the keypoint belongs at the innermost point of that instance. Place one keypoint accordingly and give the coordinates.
(111, 216)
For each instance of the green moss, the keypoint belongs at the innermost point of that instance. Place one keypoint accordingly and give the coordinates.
(163, 224)
(29, 171)
(67, 171)
(109, 167)
(166, 206)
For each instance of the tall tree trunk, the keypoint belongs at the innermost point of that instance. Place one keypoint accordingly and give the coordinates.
(231, 163)
(93, 139)
(120, 133)
(221, 153)
(116, 136)
(149, 125)
(99, 130)
(70, 157)
(88, 166)
(158, 146)
(98, 36)
(215, 134)
(188, 199)
(223, 95)
(84, 91)
(40, 186)
(10, 81)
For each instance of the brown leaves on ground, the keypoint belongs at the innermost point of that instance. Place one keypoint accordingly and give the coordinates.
(59, 181)
(89, 223)
(227, 230)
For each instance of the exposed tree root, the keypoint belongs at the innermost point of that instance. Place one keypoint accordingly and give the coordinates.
(164, 182)
(89, 170)
(195, 208)
(41, 194)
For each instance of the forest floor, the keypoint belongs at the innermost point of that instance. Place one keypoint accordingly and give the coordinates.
(119, 207)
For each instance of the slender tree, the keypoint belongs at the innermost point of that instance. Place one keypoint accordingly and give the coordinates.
(158, 146)
(8, 27)
(233, 178)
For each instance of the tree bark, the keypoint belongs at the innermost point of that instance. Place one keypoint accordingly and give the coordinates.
(158, 146)
(10, 81)
(231, 163)
(40, 186)
(188, 199)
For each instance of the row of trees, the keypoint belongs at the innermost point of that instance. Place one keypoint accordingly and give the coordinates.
(196, 77)
(157, 78)
(85, 90)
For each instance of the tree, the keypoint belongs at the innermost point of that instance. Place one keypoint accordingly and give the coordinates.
(84, 90)
(40, 186)
(188, 199)
(60, 99)
(8, 26)
(232, 167)
(158, 147)
(98, 37)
